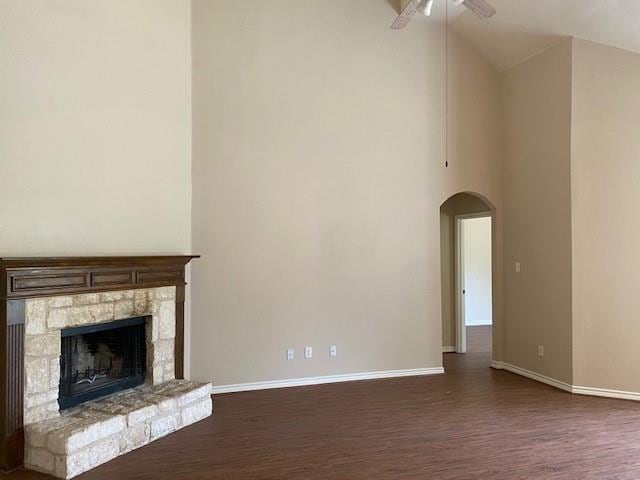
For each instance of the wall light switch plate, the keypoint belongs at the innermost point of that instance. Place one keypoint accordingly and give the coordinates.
(308, 352)
(333, 351)
(291, 354)
(517, 267)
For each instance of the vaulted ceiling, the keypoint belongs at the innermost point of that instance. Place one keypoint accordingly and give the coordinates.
(523, 28)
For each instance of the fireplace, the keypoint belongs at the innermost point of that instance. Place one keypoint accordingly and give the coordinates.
(42, 297)
(111, 356)
(101, 359)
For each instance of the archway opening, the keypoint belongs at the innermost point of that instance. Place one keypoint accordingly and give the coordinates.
(467, 240)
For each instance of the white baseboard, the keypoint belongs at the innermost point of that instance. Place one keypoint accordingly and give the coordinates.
(605, 392)
(348, 377)
(449, 349)
(351, 377)
(532, 375)
(497, 364)
(575, 389)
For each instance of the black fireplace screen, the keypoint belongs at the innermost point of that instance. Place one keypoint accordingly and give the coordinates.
(101, 359)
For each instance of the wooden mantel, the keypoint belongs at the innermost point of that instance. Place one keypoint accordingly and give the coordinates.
(23, 278)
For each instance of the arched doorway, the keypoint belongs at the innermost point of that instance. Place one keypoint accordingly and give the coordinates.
(467, 271)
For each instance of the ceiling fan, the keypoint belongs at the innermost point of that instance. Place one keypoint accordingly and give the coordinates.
(409, 8)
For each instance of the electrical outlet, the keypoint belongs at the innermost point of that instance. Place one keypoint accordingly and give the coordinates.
(308, 352)
(541, 350)
(291, 354)
(517, 267)
(333, 351)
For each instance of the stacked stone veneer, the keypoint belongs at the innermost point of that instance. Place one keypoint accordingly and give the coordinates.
(95, 432)
(65, 444)
(45, 319)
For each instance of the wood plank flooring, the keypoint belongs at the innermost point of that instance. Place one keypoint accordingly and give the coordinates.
(471, 423)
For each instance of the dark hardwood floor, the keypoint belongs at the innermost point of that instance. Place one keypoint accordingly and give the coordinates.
(471, 423)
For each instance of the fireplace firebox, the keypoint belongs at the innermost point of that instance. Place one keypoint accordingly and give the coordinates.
(101, 359)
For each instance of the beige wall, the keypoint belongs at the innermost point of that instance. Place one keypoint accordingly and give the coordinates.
(319, 151)
(318, 174)
(605, 199)
(537, 198)
(95, 126)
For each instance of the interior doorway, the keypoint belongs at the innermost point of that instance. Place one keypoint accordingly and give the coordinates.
(467, 263)
(473, 276)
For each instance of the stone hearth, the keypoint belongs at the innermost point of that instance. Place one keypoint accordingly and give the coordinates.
(95, 432)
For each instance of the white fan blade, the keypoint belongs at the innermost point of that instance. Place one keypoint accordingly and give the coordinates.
(407, 12)
(480, 7)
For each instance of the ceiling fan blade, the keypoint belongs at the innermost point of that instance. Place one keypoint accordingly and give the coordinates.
(408, 11)
(480, 7)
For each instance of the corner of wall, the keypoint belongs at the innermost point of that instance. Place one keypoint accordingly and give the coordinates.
(536, 96)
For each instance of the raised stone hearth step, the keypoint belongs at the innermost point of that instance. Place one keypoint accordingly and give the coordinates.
(95, 432)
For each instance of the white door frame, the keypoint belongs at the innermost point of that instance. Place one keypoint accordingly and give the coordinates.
(461, 330)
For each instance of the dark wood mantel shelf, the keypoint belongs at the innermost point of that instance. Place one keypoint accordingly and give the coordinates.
(24, 278)
(47, 276)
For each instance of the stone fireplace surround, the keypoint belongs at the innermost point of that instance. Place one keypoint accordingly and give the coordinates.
(55, 292)
(45, 318)
(65, 444)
